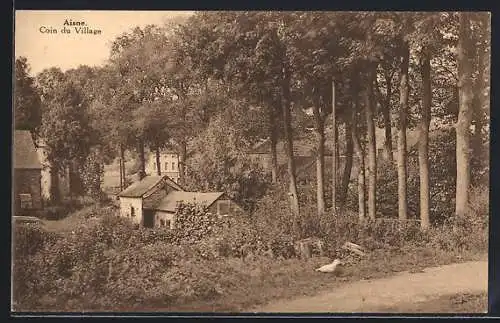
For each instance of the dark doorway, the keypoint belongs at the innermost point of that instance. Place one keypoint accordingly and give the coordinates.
(148, 220)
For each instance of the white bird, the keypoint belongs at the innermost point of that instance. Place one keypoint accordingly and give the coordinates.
(330, 268)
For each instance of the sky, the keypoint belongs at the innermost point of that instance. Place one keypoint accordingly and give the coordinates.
(66, 51)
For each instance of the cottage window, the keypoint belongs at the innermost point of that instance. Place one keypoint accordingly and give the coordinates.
(164, 223)
(223, 207)
(132, 211)
(26, 201)
(173, 165)
(166, 166)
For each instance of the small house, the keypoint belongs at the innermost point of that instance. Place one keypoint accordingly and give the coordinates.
(152, 202)
(150, 188)
(27, 174)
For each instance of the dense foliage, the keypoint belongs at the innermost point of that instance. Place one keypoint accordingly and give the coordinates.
(113, 264)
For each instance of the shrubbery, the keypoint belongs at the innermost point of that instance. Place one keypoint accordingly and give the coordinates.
(115, 264)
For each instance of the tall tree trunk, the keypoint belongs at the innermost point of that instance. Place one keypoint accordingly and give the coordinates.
(337, 161)
(423, 142)
(183, 141)
(142, 159)
(274, 160)
(334, 153)
(122, 167)
(464, 115)
(386, 112)
(346, 176)
(182, 163)
(320, 158)
(372, 150)
(478, 157)
(73, 179)
(361, 170)
(286, 101)
(55, 195)
(158, 164)
(273, 134)
(402, 157)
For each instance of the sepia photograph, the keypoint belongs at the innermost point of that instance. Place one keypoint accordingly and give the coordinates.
(250, 162)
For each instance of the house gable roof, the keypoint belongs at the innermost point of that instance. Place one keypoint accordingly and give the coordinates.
(25, 155)
(169, 203)
(142, 187)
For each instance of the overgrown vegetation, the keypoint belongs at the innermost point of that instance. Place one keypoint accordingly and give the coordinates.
(216, 264)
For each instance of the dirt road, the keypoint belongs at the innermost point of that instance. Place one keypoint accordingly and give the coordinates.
(381, 294)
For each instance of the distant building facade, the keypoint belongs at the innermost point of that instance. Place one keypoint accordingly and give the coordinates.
(169, 164)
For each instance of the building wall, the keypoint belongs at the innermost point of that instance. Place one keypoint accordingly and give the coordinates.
(46, 177)
(27, 181)
(125, 208)
(169, 165)
(165, 216)
(233, 208)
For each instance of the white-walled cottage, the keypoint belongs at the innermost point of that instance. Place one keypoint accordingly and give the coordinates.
(133, 198)
(152, 201)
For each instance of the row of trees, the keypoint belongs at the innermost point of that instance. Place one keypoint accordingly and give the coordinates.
(248, 73)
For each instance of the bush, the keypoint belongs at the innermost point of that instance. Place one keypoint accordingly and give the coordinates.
(193, 222)
(273, 215)
(28, 241)
(467, 232)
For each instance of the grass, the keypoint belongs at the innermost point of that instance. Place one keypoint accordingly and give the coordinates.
(456, 303)
(244, 285)
(268, 280)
